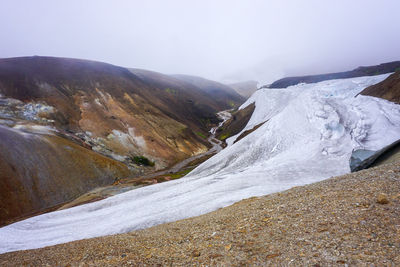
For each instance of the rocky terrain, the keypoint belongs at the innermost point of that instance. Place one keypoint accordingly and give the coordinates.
(116, 112)
(40, 170)
(220, 92)
(388, 89)
(351, 220)
(358, 72)
(83, 124)
(236, 123)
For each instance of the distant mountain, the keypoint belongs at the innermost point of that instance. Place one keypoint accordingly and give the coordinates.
(64, 117)
(245, 89)
(388, 89)
(358, 72)
(222, 94)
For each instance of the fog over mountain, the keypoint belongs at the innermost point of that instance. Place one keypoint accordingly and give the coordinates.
(224, 40)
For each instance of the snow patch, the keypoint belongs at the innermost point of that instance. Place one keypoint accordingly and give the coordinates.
(34, 128)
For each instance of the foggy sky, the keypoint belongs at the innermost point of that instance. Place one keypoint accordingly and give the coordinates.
(223, 40)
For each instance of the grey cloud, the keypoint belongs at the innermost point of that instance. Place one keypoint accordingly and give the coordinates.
(224, 40)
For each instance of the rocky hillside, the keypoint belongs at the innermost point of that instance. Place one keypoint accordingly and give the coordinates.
(358, 72)
(207, 96)
(236, 123)
(40, 170)
(116, 112)
(388, 89)
(222, 94)
(351, 220)
(81, 124)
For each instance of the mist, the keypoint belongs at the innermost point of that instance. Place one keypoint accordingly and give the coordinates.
(223, 40)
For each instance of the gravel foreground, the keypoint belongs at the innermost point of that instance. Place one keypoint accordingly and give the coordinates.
(347, 220)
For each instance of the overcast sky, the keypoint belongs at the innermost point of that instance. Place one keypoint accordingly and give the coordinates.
(221, 40)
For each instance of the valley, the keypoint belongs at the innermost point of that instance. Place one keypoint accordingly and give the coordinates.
(139, 121)
(199, 133)
(174, 172)
(97, 172)
(324, 123)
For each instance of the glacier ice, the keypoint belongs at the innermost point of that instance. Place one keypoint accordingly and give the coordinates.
(309, 133)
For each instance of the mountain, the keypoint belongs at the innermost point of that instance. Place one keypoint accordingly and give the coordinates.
(221, 93)
(358, 72)
(117, 112)
(211, 96)
(40, 170)
(245, 89)
(388, 89)
(82, 124)
(308, 133)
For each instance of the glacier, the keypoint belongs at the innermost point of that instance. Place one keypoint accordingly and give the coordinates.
(309, 134)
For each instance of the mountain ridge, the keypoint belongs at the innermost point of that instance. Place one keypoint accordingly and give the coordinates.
(91, 110)
(357, 72)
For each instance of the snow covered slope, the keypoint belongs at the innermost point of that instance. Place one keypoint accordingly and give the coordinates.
(308, 135)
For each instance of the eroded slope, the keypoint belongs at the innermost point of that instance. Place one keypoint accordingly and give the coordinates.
(39, 170)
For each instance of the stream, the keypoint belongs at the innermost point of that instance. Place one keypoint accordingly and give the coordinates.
(217, 147)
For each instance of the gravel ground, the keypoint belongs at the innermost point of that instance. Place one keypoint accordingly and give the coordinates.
(348, 220)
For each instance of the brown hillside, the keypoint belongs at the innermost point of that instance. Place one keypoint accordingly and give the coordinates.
(96, 109)
(40, 171)
(221, 93)
(388, 89)
(234, 125)
(245, 89)
(114, 110)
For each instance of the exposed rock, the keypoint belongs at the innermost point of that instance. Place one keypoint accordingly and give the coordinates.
(39, 170)
(196, 253)
(382, 199)
(247, 132)
(64, 113)
(236, 124)
(137, 112)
